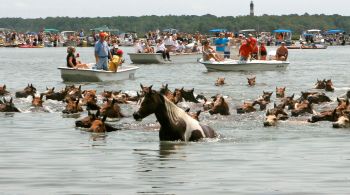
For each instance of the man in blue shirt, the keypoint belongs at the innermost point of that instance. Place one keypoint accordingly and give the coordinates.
(221, 43)
(101, 52)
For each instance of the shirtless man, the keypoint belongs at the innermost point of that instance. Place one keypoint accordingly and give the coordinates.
(282, 52)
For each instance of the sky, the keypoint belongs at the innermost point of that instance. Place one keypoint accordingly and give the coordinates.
(106, 8)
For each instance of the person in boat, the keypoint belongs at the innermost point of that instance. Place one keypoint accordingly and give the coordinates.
(245, 50)
(282, 52)
(72, 61)
(116, 60)
(254, 45)
(147, 48)
(102, 52)
(262, 51)
(209, 52)
(195, 48)
(160, 48)
(138, 46)
(221, 43)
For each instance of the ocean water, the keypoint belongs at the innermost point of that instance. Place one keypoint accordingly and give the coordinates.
(43, 153)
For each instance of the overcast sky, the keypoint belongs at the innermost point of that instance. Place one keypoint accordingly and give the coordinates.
(89, 8)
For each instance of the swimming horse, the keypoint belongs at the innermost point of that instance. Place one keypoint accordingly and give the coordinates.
(175, 123)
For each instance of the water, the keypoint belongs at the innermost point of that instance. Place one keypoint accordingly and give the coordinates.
(43, 153)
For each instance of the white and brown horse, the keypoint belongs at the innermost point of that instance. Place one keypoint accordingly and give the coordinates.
(175, 123)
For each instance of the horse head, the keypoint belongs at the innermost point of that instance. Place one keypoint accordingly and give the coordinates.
(329, 85)
(220, 81)
(111, 109)
(188, 95)
(251, 81)
(37, 101)
(220, 106)
(149, 103)
(8, 106)
(280, 92)
(320, 84)
(3, 90)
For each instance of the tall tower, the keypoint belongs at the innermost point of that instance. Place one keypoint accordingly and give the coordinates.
(251, 8)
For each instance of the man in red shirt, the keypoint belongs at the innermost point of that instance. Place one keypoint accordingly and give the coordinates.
(245, 50)
(254, 45)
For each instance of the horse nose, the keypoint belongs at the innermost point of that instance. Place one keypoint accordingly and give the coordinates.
(267, 124)
(136, 116)
(336, 125)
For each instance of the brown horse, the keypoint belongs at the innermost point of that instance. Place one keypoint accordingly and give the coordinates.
(90, 100)
(329, 85)
(289, 102)
(37, 101)
(175, 124)
(247, 107)
(348, 94)
(111, 109)
(220, 81)
(8, 106)
(164, 90)
(301, 108)
(27, 91)
(275, 114)
(343, 121)
(72, 107)
(280, 92)
(251, 81)
(266, 96)
(3, 90)
(262, 103)
(220, 106)
(73, 92)
(88, 121)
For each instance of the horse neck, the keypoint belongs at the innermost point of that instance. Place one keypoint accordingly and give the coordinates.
(167, 114)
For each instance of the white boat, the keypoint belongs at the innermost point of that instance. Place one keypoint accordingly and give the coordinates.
(236, 65)
(92, 75)
(156, 58)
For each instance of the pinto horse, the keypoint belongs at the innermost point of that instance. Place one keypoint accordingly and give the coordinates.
(175, 123)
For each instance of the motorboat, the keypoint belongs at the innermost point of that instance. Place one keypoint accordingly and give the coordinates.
(250, 65)
(156, 58)
(313, 36)
(93, 75)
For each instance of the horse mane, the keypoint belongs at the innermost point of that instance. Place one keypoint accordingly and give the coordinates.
(174, 112)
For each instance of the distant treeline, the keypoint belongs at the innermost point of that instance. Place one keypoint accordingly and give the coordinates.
(184, 23)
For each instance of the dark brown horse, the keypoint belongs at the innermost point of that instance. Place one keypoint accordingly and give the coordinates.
(90, 100)
(188, 95)
(3, 90)
(175, 124)
(320, 84)
(289, 102)
(27, 91)
(164, 90)
(266, 96)
(318, 98)
(8, 106)
(329, 85)
(220, 106)
(87, 122)
(73, 92)
(52, 95)
(326, 115)
(251, 81)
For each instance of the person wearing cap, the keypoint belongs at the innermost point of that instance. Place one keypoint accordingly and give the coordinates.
(282, 52)
(254, 45)
(102, 52)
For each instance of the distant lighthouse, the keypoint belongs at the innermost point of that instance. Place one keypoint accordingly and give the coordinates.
(251, 8)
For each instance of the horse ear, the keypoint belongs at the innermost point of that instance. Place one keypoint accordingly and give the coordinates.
(4, 87)
(150, 88)
(274, 105)
(11, 100)
(89, 113)
(199, 112)
(267, 112)
(292, 96)
(338, 100)
(113, 101)
(347, 102)
(192, 90)
(79, 88)
(31, 85)
(284, 88)
(166, 86)
(53, 88)
(141, 86)
(182, 89)
(4, 100)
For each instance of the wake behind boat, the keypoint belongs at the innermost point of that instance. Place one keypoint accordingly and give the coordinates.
(253, 65)
(92, 75)
(156, 58)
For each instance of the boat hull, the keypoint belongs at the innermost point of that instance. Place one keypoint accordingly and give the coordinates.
(156, 58)
(254, 65)
(92, 75)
